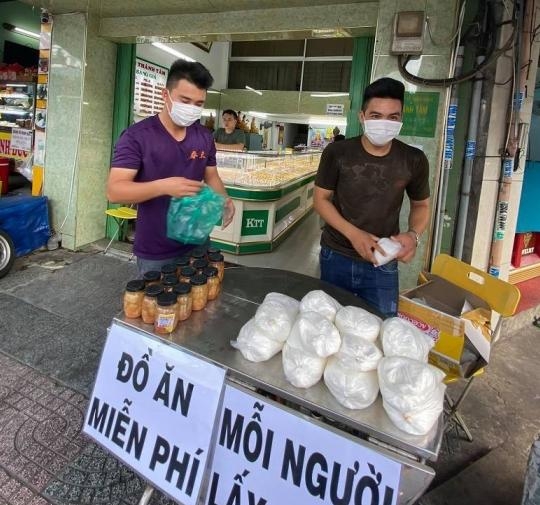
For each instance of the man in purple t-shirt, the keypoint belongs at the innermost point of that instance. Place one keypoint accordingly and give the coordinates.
(163, 156)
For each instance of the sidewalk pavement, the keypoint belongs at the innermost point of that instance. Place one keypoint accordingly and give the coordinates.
(55, 310)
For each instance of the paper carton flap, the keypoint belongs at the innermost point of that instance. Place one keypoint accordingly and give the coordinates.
(477, 339)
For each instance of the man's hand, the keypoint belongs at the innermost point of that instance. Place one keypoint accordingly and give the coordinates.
(228, 212)
(364, 244)
(408, 246)
(180, 186)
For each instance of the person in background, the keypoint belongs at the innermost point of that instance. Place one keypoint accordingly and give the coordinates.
(229, 138)
(359, 190)
(167, 155)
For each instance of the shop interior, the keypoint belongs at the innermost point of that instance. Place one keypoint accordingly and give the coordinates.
(286, 102)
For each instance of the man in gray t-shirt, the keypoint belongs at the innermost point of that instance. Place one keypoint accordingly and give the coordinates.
(229, 138)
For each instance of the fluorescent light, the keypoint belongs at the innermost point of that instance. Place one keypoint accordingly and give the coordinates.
(214, 92)
(21, 31)
(254, 90)
(327, 95)
(257, 114)
(172, 51)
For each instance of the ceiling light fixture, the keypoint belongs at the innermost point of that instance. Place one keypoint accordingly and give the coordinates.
(172, 51)
(254, 90)
(20, 31)
(327, 95)
(329, 33)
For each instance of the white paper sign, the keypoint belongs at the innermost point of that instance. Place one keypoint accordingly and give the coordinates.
(21, 139)
(335, 109)
(268, 456)
(154, 407)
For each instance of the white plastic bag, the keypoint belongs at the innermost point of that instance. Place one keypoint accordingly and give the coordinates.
(320, 302)
(401, 338)
(255, 344)
(315, 335)
(359, 322)
(413, 393)
(365, 354)
(350, 387)
(301, 370)
(275, 319)
(292, 306)
(391, 249)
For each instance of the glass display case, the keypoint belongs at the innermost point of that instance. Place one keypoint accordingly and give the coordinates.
(17, 105)
(265, 169)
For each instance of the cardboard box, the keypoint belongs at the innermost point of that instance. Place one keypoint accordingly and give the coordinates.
(447, 313)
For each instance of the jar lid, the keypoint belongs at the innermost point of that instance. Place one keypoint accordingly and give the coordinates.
(198, 280)
(188, 272)
(183, 261)
(170, 280)
(183, 288)
(200, 264)
(166, 299)
(213, 250)
(135, 285)
(153, 290)
(168, 269)
(210, 271)
(216, 257)
(152, 275)
(198, 252)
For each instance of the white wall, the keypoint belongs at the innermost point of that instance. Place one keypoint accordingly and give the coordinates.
(216, 61)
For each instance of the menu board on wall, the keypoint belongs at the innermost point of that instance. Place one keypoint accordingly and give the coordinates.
(150, 79)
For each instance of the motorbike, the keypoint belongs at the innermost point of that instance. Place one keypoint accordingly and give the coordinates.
(7, 253)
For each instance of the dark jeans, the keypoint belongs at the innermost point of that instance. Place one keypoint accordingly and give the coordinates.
(378, 286)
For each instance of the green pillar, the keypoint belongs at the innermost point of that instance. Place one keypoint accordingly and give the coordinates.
(123, 104)
(360, 78)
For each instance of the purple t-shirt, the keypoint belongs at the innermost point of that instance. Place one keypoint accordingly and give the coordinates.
(151, 150)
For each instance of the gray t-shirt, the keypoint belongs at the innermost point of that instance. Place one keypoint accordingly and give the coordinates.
(368, 190)
(236, 137)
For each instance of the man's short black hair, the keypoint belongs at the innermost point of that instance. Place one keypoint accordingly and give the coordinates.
(191, 71)
(231, 112)
(385, 87)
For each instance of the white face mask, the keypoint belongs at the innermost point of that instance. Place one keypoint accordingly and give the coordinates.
(381, 131)
(184, 114)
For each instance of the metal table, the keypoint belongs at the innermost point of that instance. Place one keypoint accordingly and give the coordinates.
(207, 334)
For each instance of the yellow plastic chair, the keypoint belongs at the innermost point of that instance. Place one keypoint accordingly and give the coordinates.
(121, 215)
(501, 296)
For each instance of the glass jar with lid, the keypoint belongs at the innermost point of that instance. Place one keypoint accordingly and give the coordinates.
(184, 300)
(217, 260)
(183, 261)
(214, 286)
(133, 297)
(166, 318)
(169, 269)
(148, 312)
(152, 277)
(199, 291)
(199, 253)
(187, 273)
(200, 265)
(169, 281)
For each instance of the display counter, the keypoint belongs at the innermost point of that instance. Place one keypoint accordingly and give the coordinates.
(207, 335)
(272, 193)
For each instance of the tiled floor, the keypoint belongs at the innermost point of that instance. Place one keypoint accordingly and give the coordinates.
(44, 458)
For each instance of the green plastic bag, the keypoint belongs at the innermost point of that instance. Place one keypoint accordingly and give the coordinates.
(190, 219)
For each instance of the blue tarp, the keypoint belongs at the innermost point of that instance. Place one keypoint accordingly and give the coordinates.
(26, 220)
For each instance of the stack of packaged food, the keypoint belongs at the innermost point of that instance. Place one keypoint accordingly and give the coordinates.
(168, 297)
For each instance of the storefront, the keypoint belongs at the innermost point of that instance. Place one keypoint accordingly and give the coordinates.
(24, 65)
